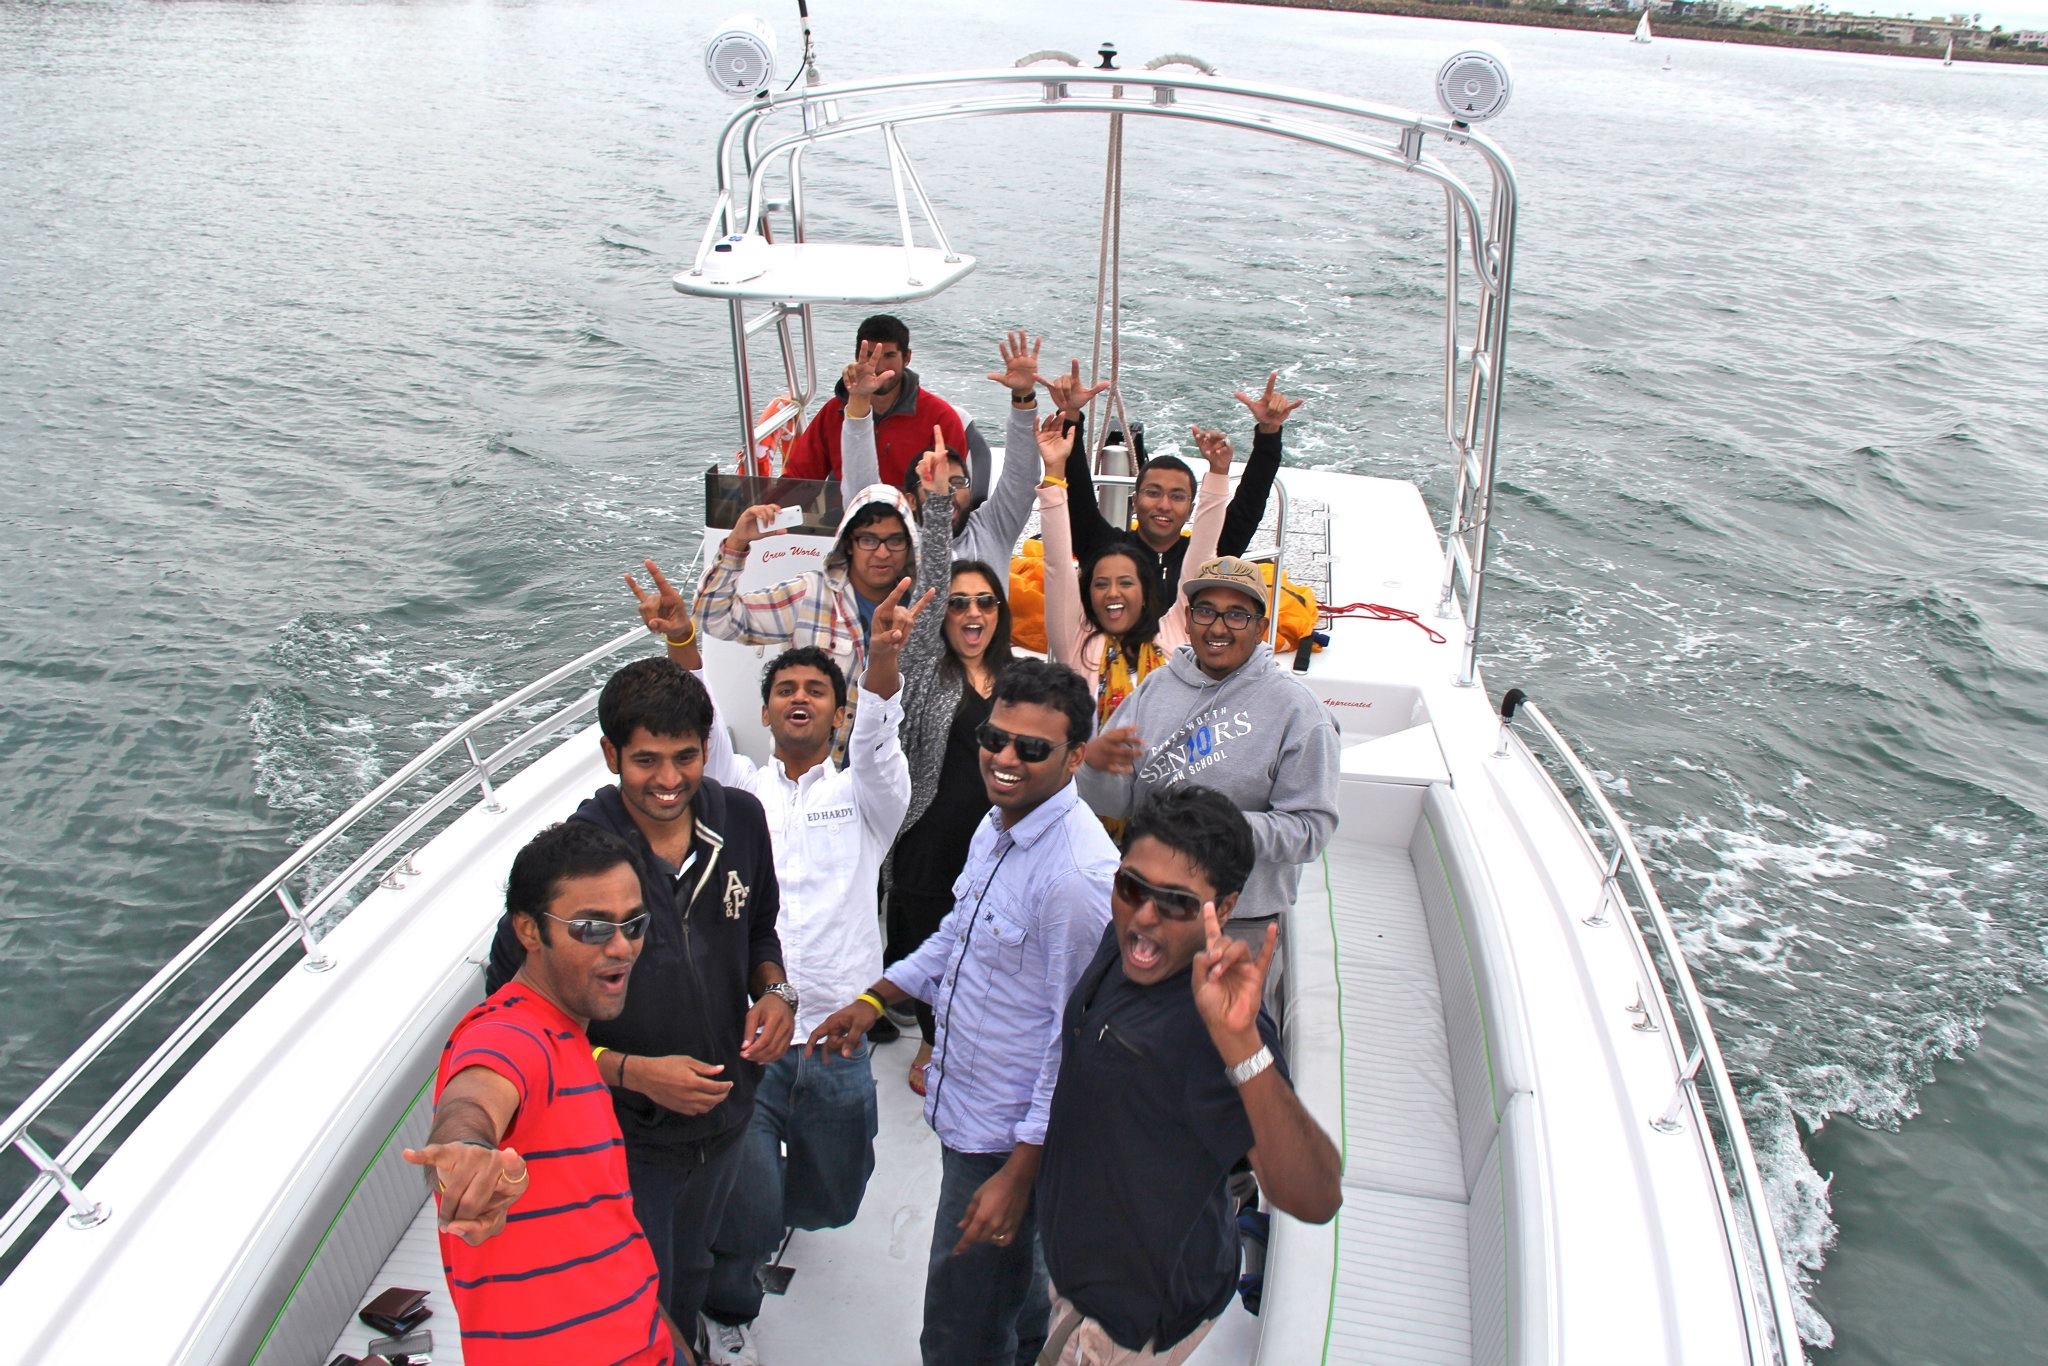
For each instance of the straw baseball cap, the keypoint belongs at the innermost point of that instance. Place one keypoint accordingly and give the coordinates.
(1228, 571)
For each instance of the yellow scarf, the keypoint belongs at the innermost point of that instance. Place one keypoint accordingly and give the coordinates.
(1118, 679)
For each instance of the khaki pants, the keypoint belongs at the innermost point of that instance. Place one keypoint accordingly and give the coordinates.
(1074, 1339)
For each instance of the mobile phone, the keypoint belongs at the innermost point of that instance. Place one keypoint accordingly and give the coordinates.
(786, 518)
(412, 1344)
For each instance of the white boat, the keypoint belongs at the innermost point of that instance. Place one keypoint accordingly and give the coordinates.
(1545, 1160)
(1642, 34)
(1948, 56)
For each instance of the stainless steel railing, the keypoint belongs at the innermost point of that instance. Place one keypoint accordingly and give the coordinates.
(1774, 1337)
(57, 1175)
(1480, 219)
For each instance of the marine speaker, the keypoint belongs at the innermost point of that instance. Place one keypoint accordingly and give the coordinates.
(740, 58)
(1474, 85)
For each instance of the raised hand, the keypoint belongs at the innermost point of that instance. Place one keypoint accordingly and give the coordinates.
(1055, 442)
(865, 376)
(1069, 395)
(477, 1185)
(1214, 446)
(933, 472)
(666, 612)
(1020, 365)
(1270, 409)
(752, 525)
(1230, 985)
(893, 620)
(1115, 751)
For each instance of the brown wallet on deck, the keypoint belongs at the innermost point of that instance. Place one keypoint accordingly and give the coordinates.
(396, 1311)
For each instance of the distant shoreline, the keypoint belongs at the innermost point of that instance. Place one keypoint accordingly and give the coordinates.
(1620, 23)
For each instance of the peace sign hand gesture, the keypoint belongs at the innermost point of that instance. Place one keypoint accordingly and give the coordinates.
(1230, 986)
(1270, 409)
(664, 610)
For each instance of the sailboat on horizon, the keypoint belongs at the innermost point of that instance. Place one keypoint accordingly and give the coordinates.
(1642, 27)
(1948, 58)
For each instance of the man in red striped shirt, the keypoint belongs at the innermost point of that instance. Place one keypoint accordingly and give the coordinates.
(545, 1261)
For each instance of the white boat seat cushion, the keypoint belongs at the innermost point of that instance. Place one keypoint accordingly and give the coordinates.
(1400, 1106)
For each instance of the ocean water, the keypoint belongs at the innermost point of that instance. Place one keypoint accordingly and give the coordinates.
(342, 378)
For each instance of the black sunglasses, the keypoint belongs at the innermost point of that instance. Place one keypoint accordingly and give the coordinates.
(1171, 902)
(1032, 749)
(600, 931)
(960, 602)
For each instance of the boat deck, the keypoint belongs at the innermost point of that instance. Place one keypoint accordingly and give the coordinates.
(1402, 1282)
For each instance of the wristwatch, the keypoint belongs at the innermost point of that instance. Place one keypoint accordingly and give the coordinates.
(788, 995)
(1250, 1067)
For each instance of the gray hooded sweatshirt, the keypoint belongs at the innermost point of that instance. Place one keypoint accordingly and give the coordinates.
(1259, 737)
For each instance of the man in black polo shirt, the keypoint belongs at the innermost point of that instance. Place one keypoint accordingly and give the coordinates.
(1169, 1078)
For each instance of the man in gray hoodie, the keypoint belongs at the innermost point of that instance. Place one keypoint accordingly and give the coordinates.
(1220, 714)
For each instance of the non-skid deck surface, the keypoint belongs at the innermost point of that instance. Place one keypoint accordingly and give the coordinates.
(416, 1264)
(858, 1293)
(1402, 1277)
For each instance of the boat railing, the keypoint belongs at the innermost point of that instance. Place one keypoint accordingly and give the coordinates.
(59, 1174)
(1696, 1059)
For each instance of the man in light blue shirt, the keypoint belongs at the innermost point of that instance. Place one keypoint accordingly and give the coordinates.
(1028, 912)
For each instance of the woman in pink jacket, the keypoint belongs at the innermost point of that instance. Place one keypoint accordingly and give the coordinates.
(1100, 622)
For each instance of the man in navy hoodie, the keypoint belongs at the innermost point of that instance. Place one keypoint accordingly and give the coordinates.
(709, 1005)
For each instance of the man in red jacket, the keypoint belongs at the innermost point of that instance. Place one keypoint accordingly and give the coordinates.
(904, 413)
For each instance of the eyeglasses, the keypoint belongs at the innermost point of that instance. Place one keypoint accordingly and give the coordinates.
(868, 540)
(600, 931)
(960, 602)
(1236, 618)
(1172, 903)
(957, 482)
(1032, 749)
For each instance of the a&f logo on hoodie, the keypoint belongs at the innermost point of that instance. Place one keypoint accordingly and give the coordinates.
(735, 895)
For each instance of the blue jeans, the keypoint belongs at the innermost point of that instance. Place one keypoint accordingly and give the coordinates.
(990, 1305)
(823, 1109)
(679, 1195)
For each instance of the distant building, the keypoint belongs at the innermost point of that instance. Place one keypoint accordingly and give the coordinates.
(2029, 37)
(1909, 32)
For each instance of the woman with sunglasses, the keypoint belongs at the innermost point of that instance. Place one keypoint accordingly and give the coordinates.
(949, 670)
(1104, 624)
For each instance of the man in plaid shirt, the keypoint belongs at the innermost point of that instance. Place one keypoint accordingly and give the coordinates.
(830, 608)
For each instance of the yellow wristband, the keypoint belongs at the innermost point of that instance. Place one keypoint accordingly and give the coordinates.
(875, 1001)
(598, 1052)
(1052, 481)
(675, 644)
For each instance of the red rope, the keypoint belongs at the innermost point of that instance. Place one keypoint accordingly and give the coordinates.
(1373, 611)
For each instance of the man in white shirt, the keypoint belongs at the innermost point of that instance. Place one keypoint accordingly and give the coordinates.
(831, 828)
